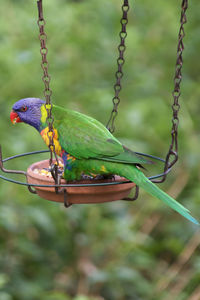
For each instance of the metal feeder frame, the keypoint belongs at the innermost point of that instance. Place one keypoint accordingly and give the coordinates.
(173, 148)
(64, 186)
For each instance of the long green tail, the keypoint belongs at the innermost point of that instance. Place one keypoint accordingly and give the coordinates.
(142, 181)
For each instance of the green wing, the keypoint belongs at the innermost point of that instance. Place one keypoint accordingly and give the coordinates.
(85, 137)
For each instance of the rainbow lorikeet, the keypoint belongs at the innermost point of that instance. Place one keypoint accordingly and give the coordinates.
(87, 147)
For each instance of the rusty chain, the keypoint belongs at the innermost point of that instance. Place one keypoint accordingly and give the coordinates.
(172, 155)
(47, 91)
(173, 148)
(120, 62)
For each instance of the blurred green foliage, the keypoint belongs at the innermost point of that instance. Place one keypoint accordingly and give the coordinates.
(118, 250)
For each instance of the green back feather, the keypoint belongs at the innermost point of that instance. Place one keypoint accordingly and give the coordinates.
(85, 137)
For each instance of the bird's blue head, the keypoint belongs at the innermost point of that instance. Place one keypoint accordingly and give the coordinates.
(27, 110)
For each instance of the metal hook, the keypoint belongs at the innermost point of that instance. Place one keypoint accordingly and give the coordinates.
(8, 171)
(64, 191)
(31, 190)
(66, 203)
(14, 172)
(136, 195)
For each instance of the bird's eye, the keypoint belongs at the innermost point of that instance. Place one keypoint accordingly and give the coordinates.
(23, 108)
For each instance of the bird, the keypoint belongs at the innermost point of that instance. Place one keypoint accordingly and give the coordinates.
(87, 147)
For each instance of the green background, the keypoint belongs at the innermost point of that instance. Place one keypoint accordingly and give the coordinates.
(122, 250)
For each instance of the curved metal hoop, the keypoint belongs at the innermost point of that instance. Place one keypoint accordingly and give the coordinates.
(65, 185)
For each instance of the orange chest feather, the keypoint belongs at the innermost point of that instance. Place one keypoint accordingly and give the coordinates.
(46, 134)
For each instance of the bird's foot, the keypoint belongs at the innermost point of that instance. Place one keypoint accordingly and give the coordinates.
(104, 177)
(86, 177)
(97, 177)
(111, 176)
(60, 172)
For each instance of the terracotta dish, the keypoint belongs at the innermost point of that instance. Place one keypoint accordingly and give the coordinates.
(77, 195)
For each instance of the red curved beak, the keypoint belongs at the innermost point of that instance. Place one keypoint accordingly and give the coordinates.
(14, 118)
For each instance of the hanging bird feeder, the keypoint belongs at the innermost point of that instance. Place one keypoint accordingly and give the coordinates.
(44, 178)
